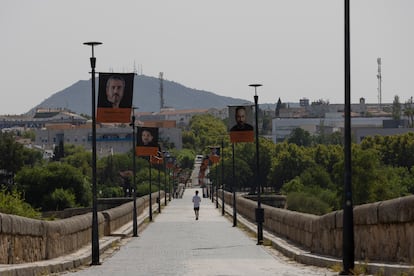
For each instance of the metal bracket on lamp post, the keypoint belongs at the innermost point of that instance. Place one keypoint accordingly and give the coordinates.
(95, 229)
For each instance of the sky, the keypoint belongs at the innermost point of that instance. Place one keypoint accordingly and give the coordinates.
(294, 48)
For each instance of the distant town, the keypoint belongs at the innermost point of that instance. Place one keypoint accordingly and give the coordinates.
(54, 126)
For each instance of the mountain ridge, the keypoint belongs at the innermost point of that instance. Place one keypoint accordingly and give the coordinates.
(77, 97)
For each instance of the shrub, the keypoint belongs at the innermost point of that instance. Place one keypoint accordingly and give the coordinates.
(12, 203)
(60, 199)
(306, 203)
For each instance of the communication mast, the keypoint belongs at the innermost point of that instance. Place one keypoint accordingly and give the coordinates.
(161, 91)
(379, 77)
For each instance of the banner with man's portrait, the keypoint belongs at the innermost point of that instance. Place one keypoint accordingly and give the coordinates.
(214, 154)
(115, 97)
(147, 141)
(241, 123)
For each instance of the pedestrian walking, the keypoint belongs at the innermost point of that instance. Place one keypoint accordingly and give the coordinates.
(196, 201)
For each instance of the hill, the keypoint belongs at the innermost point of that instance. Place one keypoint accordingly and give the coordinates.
(77, 97)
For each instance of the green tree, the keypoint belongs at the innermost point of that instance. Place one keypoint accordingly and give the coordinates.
(185, 158)
(204, 130)
(13, 203)
(306, 203)
(396, 108)
(78, 157)
(11, 154)
(327, 156)
(300, 137)
(288, 162)
(60, 199)
(365, 169)
(39, 182)
(409, 111)
(242, 173)
(247, 153)
(395, 150)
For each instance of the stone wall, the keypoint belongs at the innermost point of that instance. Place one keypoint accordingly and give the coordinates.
(28, 240)
(382, 230)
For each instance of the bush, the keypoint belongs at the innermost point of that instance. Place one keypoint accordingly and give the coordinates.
(306, 203)
(60, 199)
(12, 203)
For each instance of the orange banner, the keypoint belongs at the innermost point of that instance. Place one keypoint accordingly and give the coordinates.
(111, 115)
(242, 136)
(146, 151)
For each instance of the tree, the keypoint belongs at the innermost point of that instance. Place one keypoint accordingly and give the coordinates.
(300, 137)
(59, 151)
(409, 111)
(366, 171)
(39, 182)
(396, 108)
(396, 150)
(205, 130)
(327, 156)
(78, 157)
(60, 199)
(13, 203)
(278, 107)
(288, 162)
(11, 154)
(185, 158)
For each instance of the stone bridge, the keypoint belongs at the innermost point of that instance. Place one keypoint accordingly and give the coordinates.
(383, 234)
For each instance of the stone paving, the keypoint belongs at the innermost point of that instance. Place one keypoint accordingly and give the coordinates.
(177, 244)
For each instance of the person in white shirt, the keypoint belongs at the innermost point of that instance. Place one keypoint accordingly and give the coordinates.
(196, 201)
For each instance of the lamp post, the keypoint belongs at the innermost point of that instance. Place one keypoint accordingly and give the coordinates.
(233, 187)
(159, 183)
(222, 177)
(348, 217)
(134, 187)
(150, 189)
(211, 184)
(95, 229)
(259, 209)
(169, 165)
(165, 177)
(217, 186)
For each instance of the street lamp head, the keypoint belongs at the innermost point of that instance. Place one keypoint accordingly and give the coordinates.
(92, 43)
(255, 85)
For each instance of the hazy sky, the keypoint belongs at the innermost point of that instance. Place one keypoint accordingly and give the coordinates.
(295, 48)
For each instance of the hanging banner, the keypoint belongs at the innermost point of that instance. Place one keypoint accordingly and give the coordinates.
(157, 160)
(241, 124)
(170, 162)
(147, 141)
(214, 154)
(115, 97)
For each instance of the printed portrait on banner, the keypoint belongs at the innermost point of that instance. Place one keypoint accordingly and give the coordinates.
(115, 97)
(147, 141)
(241, 123)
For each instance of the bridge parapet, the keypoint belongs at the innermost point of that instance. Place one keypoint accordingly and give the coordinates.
(25, 240)
(382, 230)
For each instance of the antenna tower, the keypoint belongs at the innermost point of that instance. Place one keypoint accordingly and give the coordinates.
(161, 91)
(379, 77)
